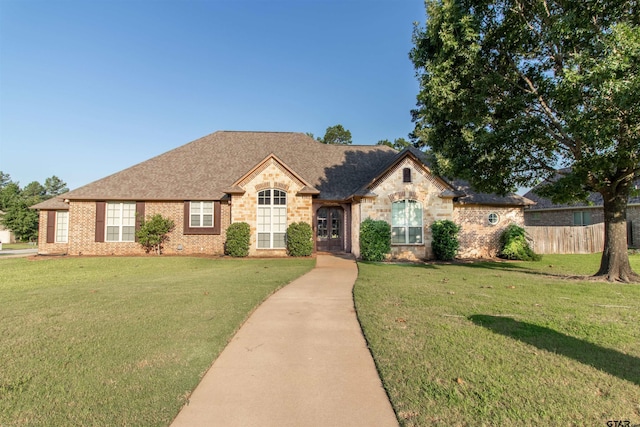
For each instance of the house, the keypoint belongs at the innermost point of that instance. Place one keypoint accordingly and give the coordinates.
(269, 180)
(6, 235)
(546, 213)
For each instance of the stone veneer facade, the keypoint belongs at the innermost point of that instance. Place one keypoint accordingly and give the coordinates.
(270, 175)
(423, 188)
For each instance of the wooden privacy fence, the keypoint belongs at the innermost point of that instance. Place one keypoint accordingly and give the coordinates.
(567, 240)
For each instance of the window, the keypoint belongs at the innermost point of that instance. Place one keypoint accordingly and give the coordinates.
(62, 226)
(323, 232)
(494, 218)
(582, 218)
(406, 222)
(201, 214)
(121, 222)
(272, 219)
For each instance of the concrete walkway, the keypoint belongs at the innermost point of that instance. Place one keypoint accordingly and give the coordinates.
(15, 253)
(299, 360)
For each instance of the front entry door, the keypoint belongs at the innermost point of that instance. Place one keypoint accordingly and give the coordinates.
(330, 228)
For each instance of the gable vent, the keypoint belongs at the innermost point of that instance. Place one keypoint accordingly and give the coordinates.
(406, 175)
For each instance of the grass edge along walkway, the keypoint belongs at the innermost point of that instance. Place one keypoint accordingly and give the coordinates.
(503, 343)
(120, 341)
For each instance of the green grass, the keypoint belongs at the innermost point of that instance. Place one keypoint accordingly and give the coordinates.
(507, 344)
(18, 246)
(120, 341)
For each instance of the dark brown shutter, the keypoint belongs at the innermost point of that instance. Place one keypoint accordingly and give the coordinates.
(186, 217)
(139, 217)
(100, 216)
(217, 217)
(51, 226)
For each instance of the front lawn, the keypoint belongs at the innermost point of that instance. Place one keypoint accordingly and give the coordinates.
(506, 344)
(120, 341)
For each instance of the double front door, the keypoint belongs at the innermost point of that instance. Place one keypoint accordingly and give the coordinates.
(330, 229)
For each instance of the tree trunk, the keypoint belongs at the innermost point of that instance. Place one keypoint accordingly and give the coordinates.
(614, 265)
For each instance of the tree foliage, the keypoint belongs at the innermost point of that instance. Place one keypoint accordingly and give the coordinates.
(154, 232)
(517, 92)
(336, 135)
(15, 202)
(398, 144)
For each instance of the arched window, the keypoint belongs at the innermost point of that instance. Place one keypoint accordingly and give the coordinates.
(406, 222)
(272, 219)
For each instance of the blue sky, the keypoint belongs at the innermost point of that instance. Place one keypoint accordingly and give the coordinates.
(88, 88)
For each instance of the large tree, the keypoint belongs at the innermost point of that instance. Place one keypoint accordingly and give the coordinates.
(398, 144)
(513, 92)
(16, 202)
(336, 135)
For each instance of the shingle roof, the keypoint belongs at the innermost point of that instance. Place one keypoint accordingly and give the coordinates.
(54, 203)
(208, 168)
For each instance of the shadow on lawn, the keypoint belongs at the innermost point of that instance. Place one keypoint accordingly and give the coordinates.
(605, 359)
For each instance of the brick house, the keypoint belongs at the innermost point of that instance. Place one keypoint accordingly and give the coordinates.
(546, 213)
(269, 180)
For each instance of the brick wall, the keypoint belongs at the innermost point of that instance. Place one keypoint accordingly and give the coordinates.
(562, 217)
(45, 248)
(82, 220)
(478, 238)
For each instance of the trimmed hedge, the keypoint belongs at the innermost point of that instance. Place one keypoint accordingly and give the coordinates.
(375, 240)
(238, 240)
(445, 239)
(299, 239)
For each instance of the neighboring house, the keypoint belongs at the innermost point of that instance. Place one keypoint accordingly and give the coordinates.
(546, 213)
(6, 236)
(269, 180)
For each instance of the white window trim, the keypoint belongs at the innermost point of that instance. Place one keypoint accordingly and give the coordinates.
(271, 207)
(202, 214)
(120, 225)
(62, 237)
(406, 226)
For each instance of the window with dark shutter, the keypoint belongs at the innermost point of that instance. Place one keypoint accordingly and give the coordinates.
(406, 175)
(192, 217)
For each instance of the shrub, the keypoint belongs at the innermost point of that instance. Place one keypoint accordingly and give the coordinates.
(445, 239)
(154, 232)
(514, 244)
(299, 239)
(375, 240)
(238, 239)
